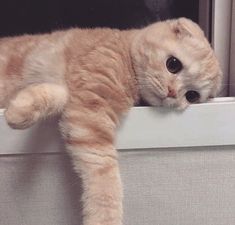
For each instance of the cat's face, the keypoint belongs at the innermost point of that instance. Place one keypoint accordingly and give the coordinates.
(175, 65)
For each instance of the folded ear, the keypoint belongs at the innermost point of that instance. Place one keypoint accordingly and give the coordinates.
(186, 27)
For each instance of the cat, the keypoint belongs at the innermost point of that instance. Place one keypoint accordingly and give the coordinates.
(91, 78)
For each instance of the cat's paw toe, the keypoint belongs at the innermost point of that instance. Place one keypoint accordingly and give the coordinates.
(21, 116)
(20, 120)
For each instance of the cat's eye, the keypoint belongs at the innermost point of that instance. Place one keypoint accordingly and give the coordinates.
(173, 65)
(192, 96)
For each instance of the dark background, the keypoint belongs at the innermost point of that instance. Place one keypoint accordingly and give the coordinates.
(39, 16)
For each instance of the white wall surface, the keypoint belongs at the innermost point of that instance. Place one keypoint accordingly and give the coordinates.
(162, 186)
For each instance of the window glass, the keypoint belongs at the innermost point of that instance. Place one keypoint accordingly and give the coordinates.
(27, 16)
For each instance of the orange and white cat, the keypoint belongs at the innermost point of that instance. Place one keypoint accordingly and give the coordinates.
(91, 77)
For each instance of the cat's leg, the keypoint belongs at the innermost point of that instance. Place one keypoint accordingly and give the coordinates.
(89, 139)
(35, 102)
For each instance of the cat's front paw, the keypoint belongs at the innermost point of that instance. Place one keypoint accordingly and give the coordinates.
(21, 114)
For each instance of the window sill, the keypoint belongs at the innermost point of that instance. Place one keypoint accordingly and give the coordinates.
(207, 124)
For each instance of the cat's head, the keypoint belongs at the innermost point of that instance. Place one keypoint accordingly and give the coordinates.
(174, 64)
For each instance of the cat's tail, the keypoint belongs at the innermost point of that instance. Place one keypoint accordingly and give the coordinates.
(35, 102)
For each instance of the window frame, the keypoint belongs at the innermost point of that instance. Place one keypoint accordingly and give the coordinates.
(221, 36)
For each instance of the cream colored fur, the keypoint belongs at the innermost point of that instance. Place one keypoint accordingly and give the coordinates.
(91, 77)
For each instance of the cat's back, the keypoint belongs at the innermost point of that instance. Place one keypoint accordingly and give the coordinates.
(15, 50)
(98, 49)
(58, 47)
(85, 41)
(98, 60)
(50, 57)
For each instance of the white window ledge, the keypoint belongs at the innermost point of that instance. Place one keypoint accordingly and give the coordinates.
(207, 124)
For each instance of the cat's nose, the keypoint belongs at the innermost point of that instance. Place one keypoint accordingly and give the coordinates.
(171, 92)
